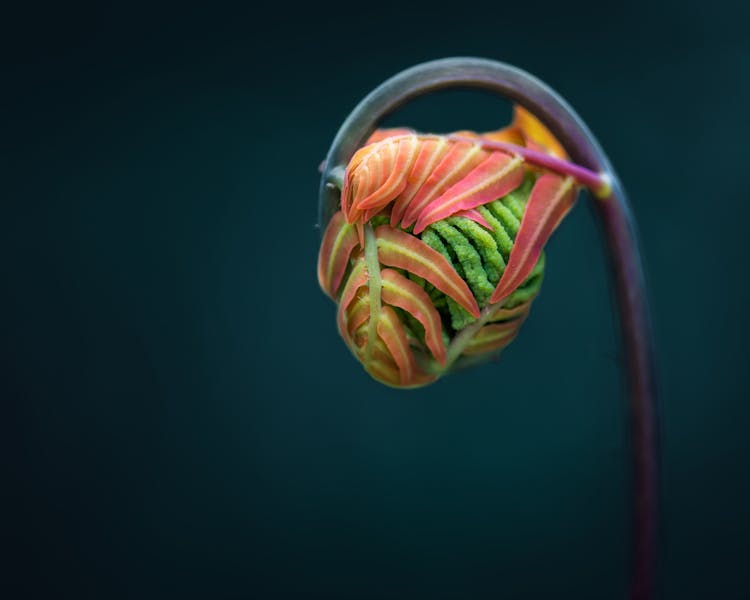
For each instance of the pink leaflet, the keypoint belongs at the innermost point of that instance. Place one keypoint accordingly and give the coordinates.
(462, 157)
(475, 216)
(497, 175)
(404, 293)
(550, 200)
(339, 240)
(391, 331)
(404, 251)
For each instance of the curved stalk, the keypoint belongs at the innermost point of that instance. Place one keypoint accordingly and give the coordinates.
(613, 213)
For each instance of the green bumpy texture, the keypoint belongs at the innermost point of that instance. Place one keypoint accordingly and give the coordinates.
(479, 256)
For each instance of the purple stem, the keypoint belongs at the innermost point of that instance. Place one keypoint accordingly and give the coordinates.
(613, 213)
(598, 183)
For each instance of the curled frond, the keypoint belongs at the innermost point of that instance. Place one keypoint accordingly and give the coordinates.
(436, 254)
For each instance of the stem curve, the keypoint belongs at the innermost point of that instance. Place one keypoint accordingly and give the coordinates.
(615, 219)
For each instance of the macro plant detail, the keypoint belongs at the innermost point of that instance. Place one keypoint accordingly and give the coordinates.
(432, 245)
(436, 253)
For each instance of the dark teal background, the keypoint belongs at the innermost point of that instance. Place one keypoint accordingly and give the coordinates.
(182, 418)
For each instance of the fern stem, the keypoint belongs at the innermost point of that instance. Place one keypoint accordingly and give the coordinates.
(620, 237)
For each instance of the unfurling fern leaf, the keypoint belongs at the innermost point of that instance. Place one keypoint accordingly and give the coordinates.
(436, 254)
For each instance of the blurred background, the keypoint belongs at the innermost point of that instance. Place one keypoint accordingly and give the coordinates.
(182, 418)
